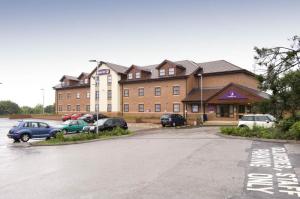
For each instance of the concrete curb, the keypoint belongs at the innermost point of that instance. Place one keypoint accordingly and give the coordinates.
(34, 144)
(258, 139)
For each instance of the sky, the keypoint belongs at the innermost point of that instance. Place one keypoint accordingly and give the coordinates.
(42, 40)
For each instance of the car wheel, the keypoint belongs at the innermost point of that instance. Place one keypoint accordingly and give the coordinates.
(174, 124)
(25, 137)
(244, 127)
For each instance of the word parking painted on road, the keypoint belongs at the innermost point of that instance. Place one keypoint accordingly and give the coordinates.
(272, 173)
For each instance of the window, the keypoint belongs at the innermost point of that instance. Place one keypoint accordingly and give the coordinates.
(171, 71)
(162, 72)
(81, 82)
(157, 91)
(60, 108)
(129, 76)
(141, 107)
(60, 97)
(176, 108)
(126, 92)
(87, 108)
(97, 81)
(137, 75)
(109, 80)
(108, 107)
(97, 107)
(78, 96)
(157, 108)
(126, 107)
(224, 110)
(68, 95)
(43, 125)
(195, 108)
(261, 118)
(86, 81)
(77, 107)
(34, 125)
(176, 90)
(247, 118)
(88, 95)
(141, 91)
(242, 108)
(68, 107)
(109, 94)
(97, 95)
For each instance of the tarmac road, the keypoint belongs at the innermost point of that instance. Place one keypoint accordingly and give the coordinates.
(164, 163)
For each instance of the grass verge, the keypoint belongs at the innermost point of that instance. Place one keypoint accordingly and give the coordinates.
(84, 136)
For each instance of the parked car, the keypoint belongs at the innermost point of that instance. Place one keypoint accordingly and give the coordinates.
(66, 117)
(75, 116)
(72, 126)
(88, 118)
(172, 120)
(107, 124)
(262, 120)
(26, 130)
(100, 116)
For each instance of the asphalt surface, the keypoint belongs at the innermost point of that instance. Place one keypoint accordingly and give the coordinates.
(164, 163)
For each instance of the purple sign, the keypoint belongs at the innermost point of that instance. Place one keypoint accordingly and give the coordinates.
(103, 72)
(231, 94)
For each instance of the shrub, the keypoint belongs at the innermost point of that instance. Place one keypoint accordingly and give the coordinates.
(285, 124)
(295, 130)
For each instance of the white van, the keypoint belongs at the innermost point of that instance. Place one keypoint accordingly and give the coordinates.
(262, 120)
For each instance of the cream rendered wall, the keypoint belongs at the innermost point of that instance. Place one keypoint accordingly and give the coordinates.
(103, 87)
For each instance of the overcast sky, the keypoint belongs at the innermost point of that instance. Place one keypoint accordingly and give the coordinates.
(41, 40)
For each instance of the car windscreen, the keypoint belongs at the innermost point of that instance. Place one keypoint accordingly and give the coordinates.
(17, 124)
(100, 122)
(67, 122)
(247, 118)
(165, 116)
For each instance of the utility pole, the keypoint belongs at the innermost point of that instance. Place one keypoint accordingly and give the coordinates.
(43, 92)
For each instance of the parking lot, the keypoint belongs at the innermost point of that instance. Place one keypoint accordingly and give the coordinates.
(162, 163)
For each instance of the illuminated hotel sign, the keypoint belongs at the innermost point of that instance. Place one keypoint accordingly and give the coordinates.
(231, 94)
(103, 72)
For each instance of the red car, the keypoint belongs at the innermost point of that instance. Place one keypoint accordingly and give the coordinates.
(66, 117)
(76, 116)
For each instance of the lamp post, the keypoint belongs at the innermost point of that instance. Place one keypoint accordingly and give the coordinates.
(43, 92)
(97, 87)
(201, 91)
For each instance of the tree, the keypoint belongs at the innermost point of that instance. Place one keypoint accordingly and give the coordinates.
(38, 109)
(50, 109)
(26, 110)
(9, 107)
(280, 72)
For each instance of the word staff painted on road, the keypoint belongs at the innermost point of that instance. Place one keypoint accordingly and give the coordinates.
(278, 174)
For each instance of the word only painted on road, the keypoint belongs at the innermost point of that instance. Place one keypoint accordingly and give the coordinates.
(280, 172)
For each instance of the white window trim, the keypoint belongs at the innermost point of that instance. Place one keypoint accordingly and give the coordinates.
(129, 76)
(173, 71)
(137, 76)
(162, 70)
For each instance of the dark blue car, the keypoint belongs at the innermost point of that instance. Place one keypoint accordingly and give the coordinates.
(26, 130)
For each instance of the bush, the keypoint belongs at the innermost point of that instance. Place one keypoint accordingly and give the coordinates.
(295, 130)
(285, 124)
(267, 133)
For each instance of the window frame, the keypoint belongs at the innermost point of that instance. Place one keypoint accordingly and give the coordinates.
(155, 91)
(78, 95)
(155, 107)
(173, 90)
(109, 94)
(139, 92)
(173, 69)
(109, 107)
(124, 108)
(160, 72)
(109, 80)
(130, 76)
(138, 76)
(192, 108)
(77, 107)
(125, 94)
(174, 105)
(139, 108)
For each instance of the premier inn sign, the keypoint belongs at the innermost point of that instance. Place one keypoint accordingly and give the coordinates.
(231, 94)
(103, 72)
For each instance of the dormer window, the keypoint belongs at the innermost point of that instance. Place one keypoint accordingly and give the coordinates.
(162, 72)
(86, 81)
(129, 76)
(171, 71)
(137, 75)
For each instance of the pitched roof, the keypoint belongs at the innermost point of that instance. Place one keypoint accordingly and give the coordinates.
(138, 67)
(208, 93)
(189, 66)
(220, 66)
(69, 77)
(115, 67)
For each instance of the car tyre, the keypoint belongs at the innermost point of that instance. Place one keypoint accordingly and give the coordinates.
(25, 137)
(174, 124)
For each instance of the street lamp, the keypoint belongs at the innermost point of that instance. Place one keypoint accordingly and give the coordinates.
(201, 91)
(43, 92)
(97, 87)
